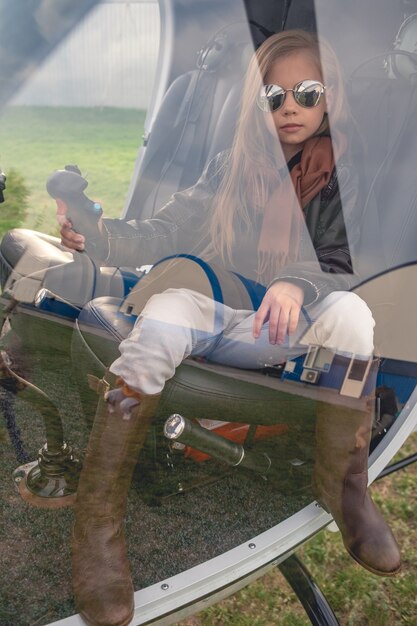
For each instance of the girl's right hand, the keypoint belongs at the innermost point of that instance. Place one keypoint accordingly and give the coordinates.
(280, 306)
(69, 238)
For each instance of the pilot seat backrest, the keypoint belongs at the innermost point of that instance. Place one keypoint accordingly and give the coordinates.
(195, 121)
(385, 109)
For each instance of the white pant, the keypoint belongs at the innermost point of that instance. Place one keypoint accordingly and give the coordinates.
(179, 323)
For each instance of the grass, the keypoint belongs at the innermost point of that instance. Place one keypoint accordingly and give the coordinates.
(357, 597)
(103, 142)
(15, 206)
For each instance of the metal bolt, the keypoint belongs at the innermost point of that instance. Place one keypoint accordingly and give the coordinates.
(252, 546)
(297, 462)
(164, 586)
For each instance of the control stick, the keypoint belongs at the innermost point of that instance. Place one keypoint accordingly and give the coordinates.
(67, 187)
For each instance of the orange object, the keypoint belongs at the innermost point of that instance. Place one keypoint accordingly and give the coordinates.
(234, 431)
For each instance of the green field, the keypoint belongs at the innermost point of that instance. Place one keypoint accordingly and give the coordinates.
(103, 142)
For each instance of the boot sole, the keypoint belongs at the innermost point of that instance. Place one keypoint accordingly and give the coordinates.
(371, 569)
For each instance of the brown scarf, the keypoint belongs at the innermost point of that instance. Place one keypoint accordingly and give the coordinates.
(279, 241)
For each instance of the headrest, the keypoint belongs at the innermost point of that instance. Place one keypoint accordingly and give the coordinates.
(240, 35)
(402, 62)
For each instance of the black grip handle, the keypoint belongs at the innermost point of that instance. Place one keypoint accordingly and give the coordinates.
(68, 185)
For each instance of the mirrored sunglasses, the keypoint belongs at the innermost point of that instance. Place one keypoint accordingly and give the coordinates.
(307, 94)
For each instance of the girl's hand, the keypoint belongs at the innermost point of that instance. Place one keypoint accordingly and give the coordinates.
(281, 305)
(69, 238)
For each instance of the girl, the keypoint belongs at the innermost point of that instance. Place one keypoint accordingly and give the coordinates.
(273, 211)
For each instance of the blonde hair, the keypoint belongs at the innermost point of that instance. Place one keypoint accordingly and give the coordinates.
(252, 163)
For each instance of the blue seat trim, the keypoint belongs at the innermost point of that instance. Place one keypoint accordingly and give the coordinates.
(211, 275)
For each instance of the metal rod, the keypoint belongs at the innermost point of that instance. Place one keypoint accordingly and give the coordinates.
(180, 429)
(309, 594)
(394, 467)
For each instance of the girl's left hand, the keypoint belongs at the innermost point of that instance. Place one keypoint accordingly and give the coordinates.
(281, 305)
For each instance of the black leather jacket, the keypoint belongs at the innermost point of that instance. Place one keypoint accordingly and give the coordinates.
(181, 227)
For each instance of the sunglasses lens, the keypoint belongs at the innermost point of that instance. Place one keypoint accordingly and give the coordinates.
(270, 98)
(308, 93)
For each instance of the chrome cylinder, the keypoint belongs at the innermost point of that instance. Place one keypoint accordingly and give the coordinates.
(179, 429)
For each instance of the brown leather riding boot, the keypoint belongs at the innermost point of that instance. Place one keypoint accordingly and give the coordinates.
(101, 573)
(340, 482)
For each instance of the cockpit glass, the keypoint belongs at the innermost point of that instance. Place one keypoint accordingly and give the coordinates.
(207, 259)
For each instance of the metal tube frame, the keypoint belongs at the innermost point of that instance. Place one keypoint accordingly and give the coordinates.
(308, 592)
(394, 467)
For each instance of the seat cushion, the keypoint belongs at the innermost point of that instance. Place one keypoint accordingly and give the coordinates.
(198, 389)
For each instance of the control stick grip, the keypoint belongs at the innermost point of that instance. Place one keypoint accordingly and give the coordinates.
(68, 186)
